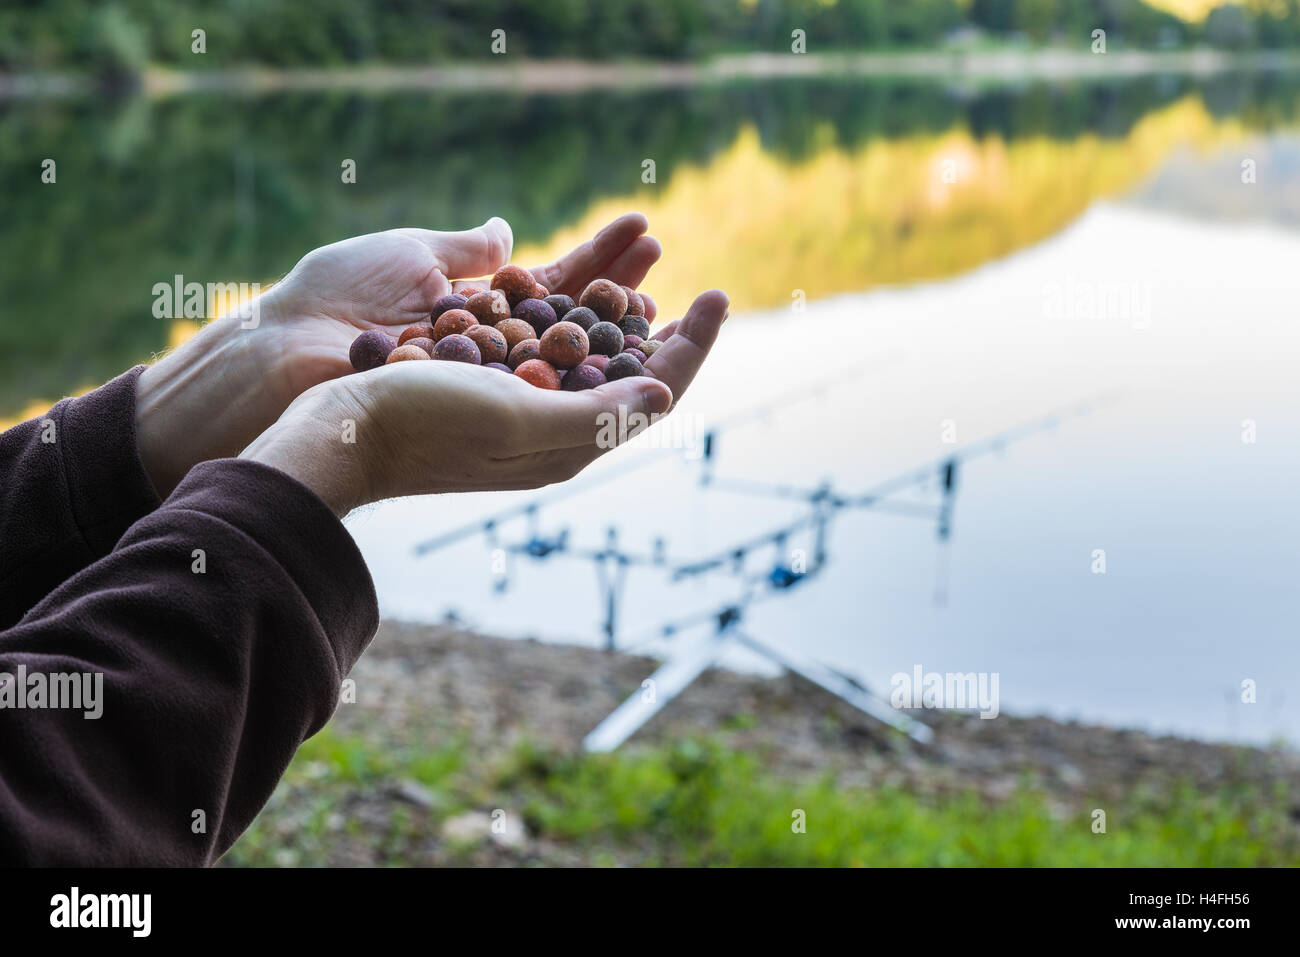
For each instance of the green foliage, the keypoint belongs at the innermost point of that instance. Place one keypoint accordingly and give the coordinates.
(126, 35)
(700, 802)
(1277, 22)
(1230, 27)
(345, 760)
(222, 188)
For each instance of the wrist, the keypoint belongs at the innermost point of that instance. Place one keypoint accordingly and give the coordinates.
(315, 442)
(210, 396)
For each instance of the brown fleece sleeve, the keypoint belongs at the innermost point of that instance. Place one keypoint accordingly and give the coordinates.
(222, 623)
(71, 483)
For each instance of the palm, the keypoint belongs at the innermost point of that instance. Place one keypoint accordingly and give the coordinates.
(496, 431)
(391, 280)
(386, 280)
(380, 280)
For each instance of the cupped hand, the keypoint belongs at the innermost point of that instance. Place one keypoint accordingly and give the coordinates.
(419, 427)
(217, 392)
(391, 280)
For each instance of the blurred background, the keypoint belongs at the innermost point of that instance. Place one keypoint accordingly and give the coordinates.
(943, 221)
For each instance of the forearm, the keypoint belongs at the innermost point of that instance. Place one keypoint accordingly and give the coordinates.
(222, 635)
(323, 441)
(212, 395)
(71, 483)
(74, 479)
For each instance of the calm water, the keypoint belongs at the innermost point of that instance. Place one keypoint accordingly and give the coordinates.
(971, 260)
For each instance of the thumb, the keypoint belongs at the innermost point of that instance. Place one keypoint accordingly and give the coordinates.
(471, 252)
(636, 394)
(603, 416)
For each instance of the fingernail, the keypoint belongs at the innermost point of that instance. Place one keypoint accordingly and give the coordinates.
(656, 399)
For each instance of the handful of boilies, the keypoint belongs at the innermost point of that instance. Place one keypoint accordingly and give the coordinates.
(519, 328)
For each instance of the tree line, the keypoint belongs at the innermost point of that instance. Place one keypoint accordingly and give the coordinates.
(126, 36)
(258, 182)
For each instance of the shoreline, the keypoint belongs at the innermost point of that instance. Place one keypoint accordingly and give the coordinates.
(462, 706)
(998, 66)
(486, 668)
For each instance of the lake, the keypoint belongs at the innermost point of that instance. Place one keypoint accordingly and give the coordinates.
(913, 267)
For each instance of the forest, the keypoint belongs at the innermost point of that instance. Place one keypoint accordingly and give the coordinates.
(128, 36)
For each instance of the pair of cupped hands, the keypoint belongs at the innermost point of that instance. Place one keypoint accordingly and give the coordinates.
(280, 390)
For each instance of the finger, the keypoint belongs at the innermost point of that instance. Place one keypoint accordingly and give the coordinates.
(471, 252)
(571, 272)
(667, 330)
(558, 465)
(435, 286)
(676, 362)
(467, 287)
(651, 310)
(629, 268)
(600, 417)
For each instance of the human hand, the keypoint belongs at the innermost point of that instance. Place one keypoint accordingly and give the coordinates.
(217, 392)
(422, 427)
(391, 280)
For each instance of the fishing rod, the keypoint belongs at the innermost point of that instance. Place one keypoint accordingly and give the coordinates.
(836, 379)
(986, 446)
(683, 667)
(876, 497)
(825, 503)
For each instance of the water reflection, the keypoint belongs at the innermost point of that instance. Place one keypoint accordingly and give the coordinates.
(895, 210)
(1184, 483)
(831, 188)
(763, 188)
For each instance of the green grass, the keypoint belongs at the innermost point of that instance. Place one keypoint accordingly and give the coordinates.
(700, 802)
